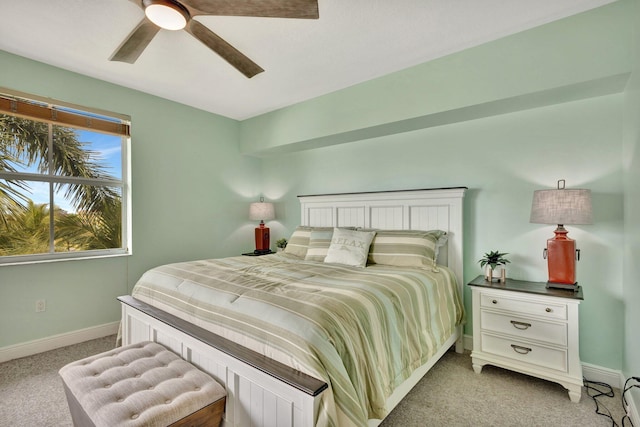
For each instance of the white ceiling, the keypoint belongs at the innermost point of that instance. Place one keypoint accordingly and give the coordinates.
(353, 41)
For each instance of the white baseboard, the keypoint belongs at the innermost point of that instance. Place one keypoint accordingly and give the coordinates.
(632, 410)
(604, 375)
(468, 342)
(56, 341)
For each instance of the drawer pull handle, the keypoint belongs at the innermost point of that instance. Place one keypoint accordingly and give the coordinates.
(494, 301)
(520, 325)
(548, 310)
(520, 349)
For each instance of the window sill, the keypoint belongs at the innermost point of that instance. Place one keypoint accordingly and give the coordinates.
(37, 259)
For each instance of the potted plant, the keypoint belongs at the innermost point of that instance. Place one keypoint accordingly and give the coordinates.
(495, 262)
(281, 244)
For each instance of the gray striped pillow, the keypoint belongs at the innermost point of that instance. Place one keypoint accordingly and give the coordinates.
(319, 243)
(298, 242)
(406, 248)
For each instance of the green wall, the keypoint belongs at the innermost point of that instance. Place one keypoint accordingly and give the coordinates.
(631, 164)
(191, 189)
(503, 119)
(557, 62)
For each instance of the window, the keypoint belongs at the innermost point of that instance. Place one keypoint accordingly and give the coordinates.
(63, 180)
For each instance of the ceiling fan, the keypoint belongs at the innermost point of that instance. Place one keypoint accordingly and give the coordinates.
(178, 14)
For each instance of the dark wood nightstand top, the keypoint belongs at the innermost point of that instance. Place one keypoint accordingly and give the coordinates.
(258, 254)
(538, 288)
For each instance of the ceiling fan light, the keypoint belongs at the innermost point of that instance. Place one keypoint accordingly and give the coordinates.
(166, 14)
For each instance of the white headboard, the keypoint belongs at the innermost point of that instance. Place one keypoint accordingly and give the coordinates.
(437, 209)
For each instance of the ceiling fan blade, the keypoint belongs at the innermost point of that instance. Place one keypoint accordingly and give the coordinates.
(136, 42)
(302, 9)
(229, 53)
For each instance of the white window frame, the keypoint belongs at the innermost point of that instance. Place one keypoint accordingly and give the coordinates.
(124, 185)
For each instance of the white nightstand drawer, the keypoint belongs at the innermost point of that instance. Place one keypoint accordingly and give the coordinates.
(538, 308)
(525, 352)
(519, 327)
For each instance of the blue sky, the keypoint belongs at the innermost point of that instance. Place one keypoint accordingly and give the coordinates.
(107, 150)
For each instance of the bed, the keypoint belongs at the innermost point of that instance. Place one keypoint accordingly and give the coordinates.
(301, 342)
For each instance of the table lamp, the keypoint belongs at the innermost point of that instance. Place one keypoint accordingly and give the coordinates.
(261, 211)
(561, 206)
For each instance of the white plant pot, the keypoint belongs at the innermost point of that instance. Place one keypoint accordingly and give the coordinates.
(499, 274)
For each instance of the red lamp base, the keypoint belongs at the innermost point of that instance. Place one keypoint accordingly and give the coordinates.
(561, 260)
(262, 239)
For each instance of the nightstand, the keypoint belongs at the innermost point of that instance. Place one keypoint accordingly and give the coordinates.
(257, 254)
(525, 327)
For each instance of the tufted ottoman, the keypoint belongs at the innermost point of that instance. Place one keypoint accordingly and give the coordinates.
(142, 384)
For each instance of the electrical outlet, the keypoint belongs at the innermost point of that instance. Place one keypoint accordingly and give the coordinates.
(41, 305)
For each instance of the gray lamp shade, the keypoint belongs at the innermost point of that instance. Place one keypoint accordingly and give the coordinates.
(261, 211)
(561, 206)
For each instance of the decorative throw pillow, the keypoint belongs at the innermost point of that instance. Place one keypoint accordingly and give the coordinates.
(319, 244)
(299, 242)
(349, 247)
(406, 248)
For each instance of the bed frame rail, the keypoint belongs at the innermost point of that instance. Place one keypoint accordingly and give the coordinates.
(262, 392)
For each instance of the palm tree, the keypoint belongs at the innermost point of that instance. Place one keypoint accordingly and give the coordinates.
(27, 232)
(90, 231)
(25, 142)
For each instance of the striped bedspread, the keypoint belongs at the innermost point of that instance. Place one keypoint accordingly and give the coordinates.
(363, 331)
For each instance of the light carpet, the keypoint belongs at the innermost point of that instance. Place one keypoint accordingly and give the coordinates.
(451, 394)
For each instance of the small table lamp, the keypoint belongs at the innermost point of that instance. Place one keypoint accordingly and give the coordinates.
(262, 211)
(561, 206)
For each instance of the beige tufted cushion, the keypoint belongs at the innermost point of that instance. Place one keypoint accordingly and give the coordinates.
(142, 384)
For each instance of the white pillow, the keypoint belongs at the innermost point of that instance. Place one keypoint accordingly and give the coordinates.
(349, 247)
